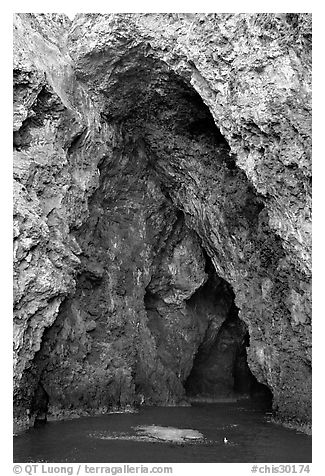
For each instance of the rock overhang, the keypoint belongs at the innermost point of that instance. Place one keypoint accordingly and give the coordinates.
(143, 81)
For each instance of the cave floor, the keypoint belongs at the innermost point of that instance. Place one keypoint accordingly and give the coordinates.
(115, 438)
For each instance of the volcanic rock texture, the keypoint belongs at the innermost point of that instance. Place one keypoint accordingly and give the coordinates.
(162, 210)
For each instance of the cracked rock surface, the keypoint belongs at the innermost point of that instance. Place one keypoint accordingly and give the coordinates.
(162, 167)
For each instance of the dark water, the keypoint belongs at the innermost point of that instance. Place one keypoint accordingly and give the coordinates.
(251, 438)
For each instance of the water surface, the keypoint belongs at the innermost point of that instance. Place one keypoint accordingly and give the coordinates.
(113, 438)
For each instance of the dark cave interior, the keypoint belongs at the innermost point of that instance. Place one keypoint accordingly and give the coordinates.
(220, 369)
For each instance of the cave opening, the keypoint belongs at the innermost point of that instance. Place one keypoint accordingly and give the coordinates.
(150, 319)
(220, 369)
(212, 364)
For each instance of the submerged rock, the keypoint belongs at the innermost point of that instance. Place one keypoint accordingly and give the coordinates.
(168, 433)
(153, 433)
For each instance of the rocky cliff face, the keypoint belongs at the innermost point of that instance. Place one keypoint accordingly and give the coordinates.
(162, 210)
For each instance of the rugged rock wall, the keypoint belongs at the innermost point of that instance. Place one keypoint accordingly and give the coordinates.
(144, 147)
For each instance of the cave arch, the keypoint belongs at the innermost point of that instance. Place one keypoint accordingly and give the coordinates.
(126, 333)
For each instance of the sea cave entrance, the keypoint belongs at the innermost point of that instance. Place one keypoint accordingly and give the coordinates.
(150, 320)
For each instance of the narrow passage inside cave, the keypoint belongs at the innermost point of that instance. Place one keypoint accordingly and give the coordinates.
(220, 369)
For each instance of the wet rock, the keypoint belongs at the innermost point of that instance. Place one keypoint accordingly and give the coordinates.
(91, 326)
(155, 434)
(39, 406)
(167, 433)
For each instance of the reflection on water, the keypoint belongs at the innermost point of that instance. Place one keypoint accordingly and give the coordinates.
(226, 432)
